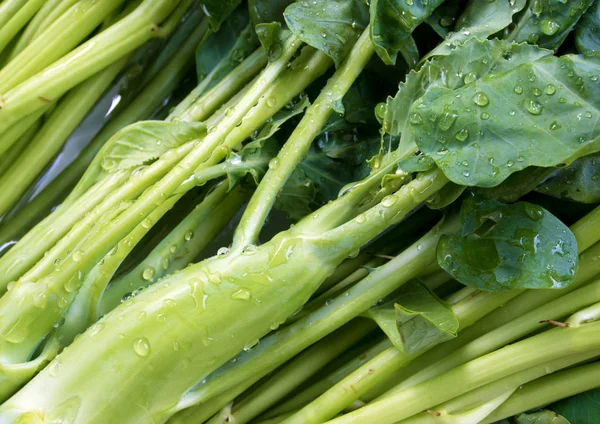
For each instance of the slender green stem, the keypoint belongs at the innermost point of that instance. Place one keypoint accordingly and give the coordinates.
(473, 407)
(295, 372)
(48, 13)
(299, 142)
(57, 40)
(183, 244)
(586, 229)
(545, 347)
(547, 390)
(48, 141)
(14, 133)
(224, 89)
(89, 58)
(9, 157)
(9, 30)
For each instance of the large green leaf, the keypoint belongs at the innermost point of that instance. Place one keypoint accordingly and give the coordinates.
(548, 22)
(481, 19)
(265, 11)
(225, 49)
(443, 19)
(541, 113)
(587, 34)
(583, 408)
(392, 23)
(218, 11)
(504, 247)
(415, 319)
(542, 417)
(467, 63)
(517, 185)
(332, 26)
(579, 182)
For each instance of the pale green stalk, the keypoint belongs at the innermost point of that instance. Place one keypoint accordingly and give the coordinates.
(9, 8)
(89, 58)
(14, 133)
(551, 345)
(10, 29)
(63, 120)
(9, 157)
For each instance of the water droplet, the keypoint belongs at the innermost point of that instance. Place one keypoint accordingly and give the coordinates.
(188, 235)
(170, 303)
(271, 102)
(550, 27)
(241, 294)
(409, 2)
(485, 116)
(510, 163)
(274, 51)
(148, 273)
(550, 89)
(534, 107)
(415, 119)
(77, 255)
(164, 263)
(470, 78)
(481, 99)
(223, 251)
(250, 250)
(360, 219)
(588, 114)
(537, 7)
(109, 164)
(518, 89)
(536, 92)
(229, 111)
(381, 110)
(447, 120)
(462, 135)
(274, 163)
(389, 201)
(141, 346)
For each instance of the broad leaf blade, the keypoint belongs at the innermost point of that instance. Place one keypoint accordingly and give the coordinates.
(443, 19)
(583, 408)
(548, 22)
(331, 26)
(265, 11)
(542, 417)
(542, 113)
(218, 11)
(587, 34)
(579, 182)
(505, 247)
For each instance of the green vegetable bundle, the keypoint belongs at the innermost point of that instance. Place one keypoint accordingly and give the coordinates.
(299, 212)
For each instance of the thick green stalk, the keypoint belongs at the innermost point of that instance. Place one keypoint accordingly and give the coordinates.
(56, 129)
(475, 406)
(298, 144)
(60, 38)
(48, 13)
(10, 29)
(141, 107)
(547, 390)
(14, 133)
(282, 345)
(89, 58)
(183, 244)
(8, 9)
(295, 372)
(545, 347)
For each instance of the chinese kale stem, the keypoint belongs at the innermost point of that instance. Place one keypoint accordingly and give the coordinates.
(10, 29)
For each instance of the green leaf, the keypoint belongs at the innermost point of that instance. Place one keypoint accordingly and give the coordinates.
(466, 64)
(542, 417)
(516, 185)
(225, 49)
(137, 145)
(265, 11)
(414, 319)
(579, 182)
(332, 26)
(542, 113)
(504, 247)
(481, 19)
(271, 35)
(443, 19)
(587, 34)
(218, 11)
(297, 196)
(249, 161)
(392, 23)
(423, 319)
(548, 22)
(583, 408)
(446, 196)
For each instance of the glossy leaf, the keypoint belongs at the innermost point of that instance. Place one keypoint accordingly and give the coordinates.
(414, 319)
(542, 113)
(583, 408)
(331, 26)
(218, 11)
(393, 21)
(587, 34)
(579, 182)
(481, 19)
(265, 11)
(542, 417)
(443, 19)
(504, 247)
(466, 64)
(517, 185)
(548, 22)
(225, 49)
(270, 36)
